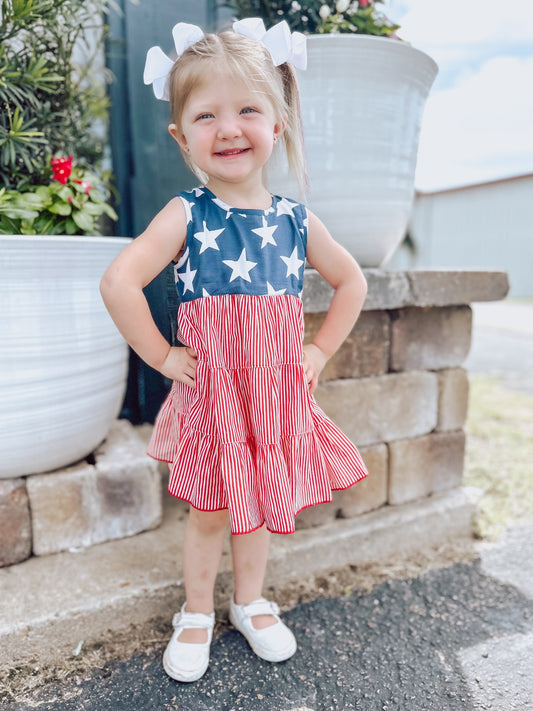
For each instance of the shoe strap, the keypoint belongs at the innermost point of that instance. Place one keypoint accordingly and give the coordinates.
(261, 607)
(197, 620)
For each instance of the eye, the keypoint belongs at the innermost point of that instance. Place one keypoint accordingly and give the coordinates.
(205, 116)
(248, 110)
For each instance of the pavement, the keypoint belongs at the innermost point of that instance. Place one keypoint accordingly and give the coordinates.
(502, 343)
(458, 636)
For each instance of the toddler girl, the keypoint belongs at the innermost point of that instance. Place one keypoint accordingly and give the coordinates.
(245, 440)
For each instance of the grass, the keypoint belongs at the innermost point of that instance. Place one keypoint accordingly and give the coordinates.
(499, 454)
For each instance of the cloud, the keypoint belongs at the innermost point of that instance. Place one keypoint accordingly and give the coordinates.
(481, 128)
(435, 24)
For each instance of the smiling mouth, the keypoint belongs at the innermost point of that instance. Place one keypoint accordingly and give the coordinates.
(232, 152)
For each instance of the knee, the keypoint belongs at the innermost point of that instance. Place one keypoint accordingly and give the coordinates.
(210, 523)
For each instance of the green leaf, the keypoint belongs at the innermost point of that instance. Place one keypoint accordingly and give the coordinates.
(44, 193)
(83, 220)
(31, 200)
(60, 208)
(71, 228)
(20, 213)
(109, 211)
(92, 209)
(96, 196)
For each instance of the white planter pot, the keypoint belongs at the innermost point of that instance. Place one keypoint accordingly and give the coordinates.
(63, 364)
(362, 101)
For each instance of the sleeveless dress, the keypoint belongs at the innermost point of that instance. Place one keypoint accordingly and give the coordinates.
(249, 438)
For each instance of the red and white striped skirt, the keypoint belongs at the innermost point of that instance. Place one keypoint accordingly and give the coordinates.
(250, 438)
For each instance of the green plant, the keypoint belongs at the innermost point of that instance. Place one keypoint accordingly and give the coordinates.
(53, 99)
(317, 16)
(70, 203)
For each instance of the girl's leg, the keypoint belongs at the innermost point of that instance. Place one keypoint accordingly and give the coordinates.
(250, 555)
(202, 550)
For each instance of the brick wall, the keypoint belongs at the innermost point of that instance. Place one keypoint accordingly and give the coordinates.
(396, 388)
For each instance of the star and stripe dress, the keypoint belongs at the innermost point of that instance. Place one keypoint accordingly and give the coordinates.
(249, 438)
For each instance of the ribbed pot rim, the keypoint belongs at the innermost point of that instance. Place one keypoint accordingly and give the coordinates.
(394, 44)
(63, 238)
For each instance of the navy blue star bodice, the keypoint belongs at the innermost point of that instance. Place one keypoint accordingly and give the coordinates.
(241, 251)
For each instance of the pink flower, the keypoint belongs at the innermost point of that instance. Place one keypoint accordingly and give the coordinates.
(364, 3)
(85, 184)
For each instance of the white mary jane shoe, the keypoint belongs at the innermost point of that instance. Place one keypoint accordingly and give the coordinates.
(184, 661)
(273, 644)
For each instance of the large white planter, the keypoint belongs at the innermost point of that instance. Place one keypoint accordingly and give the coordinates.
(63, 364)
(362, 101)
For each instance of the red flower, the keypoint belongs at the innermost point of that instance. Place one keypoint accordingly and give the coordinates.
(62, 168)
(364, 3)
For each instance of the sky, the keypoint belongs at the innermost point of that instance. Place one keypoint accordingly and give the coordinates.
(478, 121)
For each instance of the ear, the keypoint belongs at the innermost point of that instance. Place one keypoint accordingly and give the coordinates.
(179, 138)
(279, 129)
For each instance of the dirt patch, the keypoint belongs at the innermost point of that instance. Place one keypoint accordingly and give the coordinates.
(18, 683)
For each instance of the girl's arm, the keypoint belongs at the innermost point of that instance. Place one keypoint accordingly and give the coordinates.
(342, 272)
(122, 291)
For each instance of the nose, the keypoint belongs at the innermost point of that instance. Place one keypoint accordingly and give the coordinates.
(229, 127)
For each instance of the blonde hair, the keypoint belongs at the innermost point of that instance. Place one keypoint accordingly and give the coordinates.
(247, 60)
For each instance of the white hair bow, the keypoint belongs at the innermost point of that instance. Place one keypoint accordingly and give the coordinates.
(281, 44)
(157, 66)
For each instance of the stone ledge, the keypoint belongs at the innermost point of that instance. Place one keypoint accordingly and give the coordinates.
(453, 399)
(119, 495)
(382, 408)
(365, 351)
(428, 287)
(430, 338)
(446, 287)
(424, 465)
(15, 522)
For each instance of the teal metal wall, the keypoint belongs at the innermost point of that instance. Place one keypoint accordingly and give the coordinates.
(147, 163)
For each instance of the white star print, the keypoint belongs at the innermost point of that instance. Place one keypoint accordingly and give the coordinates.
(293, 263)
(205, 293)
(240, 268)
(188, 212)
(188, 278)
(198, 192)
(265, 233)
(285, 207)
(207, 238)
(272, 292)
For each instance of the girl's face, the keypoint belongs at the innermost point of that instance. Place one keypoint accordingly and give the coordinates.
(228, 130)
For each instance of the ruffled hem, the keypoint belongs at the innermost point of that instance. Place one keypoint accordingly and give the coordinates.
(258, 483)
